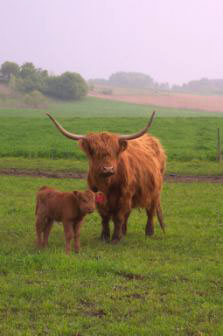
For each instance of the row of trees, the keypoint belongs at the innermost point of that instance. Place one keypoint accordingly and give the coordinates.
(137, 80)
(27, 78)
(204, 85)
(132, 80)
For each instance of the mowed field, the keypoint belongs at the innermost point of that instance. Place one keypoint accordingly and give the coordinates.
(165, 285)
(211, 103)
(169, 99)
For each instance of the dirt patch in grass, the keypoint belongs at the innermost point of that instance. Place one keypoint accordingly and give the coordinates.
(191, 179)
(75, 175)
(38, 173)
(131, 276)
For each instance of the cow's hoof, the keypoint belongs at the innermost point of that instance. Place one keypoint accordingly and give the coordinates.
(105, 238)
(149, 231)
(115, 241)
(150, 234)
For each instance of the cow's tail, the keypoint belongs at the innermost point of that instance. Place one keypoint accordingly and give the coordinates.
(160, 217)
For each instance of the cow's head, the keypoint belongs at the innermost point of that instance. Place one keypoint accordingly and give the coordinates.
(103, 149)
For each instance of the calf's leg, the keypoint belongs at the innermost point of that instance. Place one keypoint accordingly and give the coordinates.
(76, 228)
(39, 230)
(69, 235)
(46, 231)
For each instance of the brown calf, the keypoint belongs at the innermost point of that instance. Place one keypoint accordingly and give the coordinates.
(67, 207)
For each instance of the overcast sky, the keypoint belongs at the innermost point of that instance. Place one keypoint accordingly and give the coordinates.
(172, 40)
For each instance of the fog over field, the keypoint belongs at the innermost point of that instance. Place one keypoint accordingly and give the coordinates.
(173, 41)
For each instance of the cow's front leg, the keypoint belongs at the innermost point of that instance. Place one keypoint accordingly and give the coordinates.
(105, 216)
(119, 226)
(105, 233)
(121, 217)
(117, 234)
(124, 225)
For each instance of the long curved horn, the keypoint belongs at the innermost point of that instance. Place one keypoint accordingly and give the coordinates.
(64, 132)
(140, 133)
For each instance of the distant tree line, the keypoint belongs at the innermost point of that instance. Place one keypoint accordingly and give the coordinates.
(27, 78)
(203, 86)
(132, 80)
(136, 80)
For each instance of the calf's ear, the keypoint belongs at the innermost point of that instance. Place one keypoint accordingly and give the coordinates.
(123, 144)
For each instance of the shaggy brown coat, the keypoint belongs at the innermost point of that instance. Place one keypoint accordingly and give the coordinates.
(67, 207)
(138, 167)
(129, 170)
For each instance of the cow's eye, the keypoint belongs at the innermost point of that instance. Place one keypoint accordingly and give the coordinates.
(104, 155)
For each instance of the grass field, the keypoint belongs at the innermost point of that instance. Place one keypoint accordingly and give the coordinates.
(186, 138)
(167, 285)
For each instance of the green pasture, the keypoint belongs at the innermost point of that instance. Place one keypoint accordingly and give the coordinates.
(189, 137)
(92, 107)
(166, 285)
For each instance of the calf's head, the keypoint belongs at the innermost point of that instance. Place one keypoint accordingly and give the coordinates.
(85, 200)
(103, 149)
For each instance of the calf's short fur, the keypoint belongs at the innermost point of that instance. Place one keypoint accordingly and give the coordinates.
(66, 207)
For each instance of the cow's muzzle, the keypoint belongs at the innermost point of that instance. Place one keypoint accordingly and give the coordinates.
(108, 171)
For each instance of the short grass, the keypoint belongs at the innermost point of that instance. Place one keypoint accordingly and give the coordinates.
(29, 138)
(167, 285)
(184, 139)
(96, 108)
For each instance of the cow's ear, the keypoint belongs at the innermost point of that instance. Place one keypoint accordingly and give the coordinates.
(85, 146)
(123, 144)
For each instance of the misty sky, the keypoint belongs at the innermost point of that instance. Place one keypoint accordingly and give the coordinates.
(172, 40)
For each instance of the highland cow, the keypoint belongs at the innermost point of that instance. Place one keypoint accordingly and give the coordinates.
(69, 208)
(129, 170)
